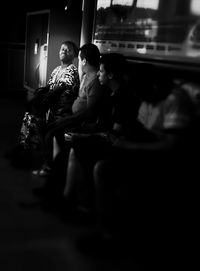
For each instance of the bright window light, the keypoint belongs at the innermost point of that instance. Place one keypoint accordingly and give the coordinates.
(142, 51)
(123, 2)
(103, 3)
(195, 7)
(153, 4)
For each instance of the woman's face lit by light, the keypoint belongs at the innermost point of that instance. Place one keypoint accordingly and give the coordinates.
(66, 53)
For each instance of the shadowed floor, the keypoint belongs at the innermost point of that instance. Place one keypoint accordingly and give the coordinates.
(31, 239)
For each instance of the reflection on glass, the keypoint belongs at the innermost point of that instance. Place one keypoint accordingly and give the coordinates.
(153, 4)
(195, 7)
(152, 27)
(103, 4)
(123, 2)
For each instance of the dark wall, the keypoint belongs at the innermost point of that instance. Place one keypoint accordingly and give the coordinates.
(12, 38)
(13, 16)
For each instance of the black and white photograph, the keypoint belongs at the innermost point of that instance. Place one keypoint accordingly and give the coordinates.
(100, 135)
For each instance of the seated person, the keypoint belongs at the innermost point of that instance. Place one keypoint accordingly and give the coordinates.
(84, 109)
(126, 124)
(143, 183)
(56, 98)
(121, 119)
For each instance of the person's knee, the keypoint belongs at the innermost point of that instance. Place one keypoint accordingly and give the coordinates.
(72, 155)
(73, 162)
(99, 172)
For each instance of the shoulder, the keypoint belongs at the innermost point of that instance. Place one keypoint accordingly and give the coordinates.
(56, 69)
(71, 69)
(95, 85)
(92, 80)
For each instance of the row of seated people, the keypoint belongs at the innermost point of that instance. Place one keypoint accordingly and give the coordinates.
(120, 153)
(136, 168)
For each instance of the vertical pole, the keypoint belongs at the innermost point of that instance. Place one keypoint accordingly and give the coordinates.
(88, 12)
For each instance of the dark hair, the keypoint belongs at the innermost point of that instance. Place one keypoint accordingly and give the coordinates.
(73, 46)
(91, 53)
(114, 63)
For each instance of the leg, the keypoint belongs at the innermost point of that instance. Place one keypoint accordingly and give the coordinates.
(56, 148)
(62, 195)
(114, 191)
(51, 146)
(103, 195)
(54, 140)
(75, 175)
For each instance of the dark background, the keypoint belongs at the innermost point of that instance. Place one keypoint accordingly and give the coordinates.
(13, 17)
(12, 39)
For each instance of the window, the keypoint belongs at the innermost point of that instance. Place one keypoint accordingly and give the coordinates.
(153, 28)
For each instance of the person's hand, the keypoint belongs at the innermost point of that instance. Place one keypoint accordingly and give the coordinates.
(68, 137)
(42, 90)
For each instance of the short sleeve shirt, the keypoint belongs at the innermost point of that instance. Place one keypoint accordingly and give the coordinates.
(89, 87)
(68, 79)
(181, 106)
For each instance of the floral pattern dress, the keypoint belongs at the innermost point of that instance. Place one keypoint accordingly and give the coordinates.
(63, 87)
(67, 80)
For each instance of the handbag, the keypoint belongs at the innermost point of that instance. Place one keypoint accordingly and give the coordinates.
(29, 137)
